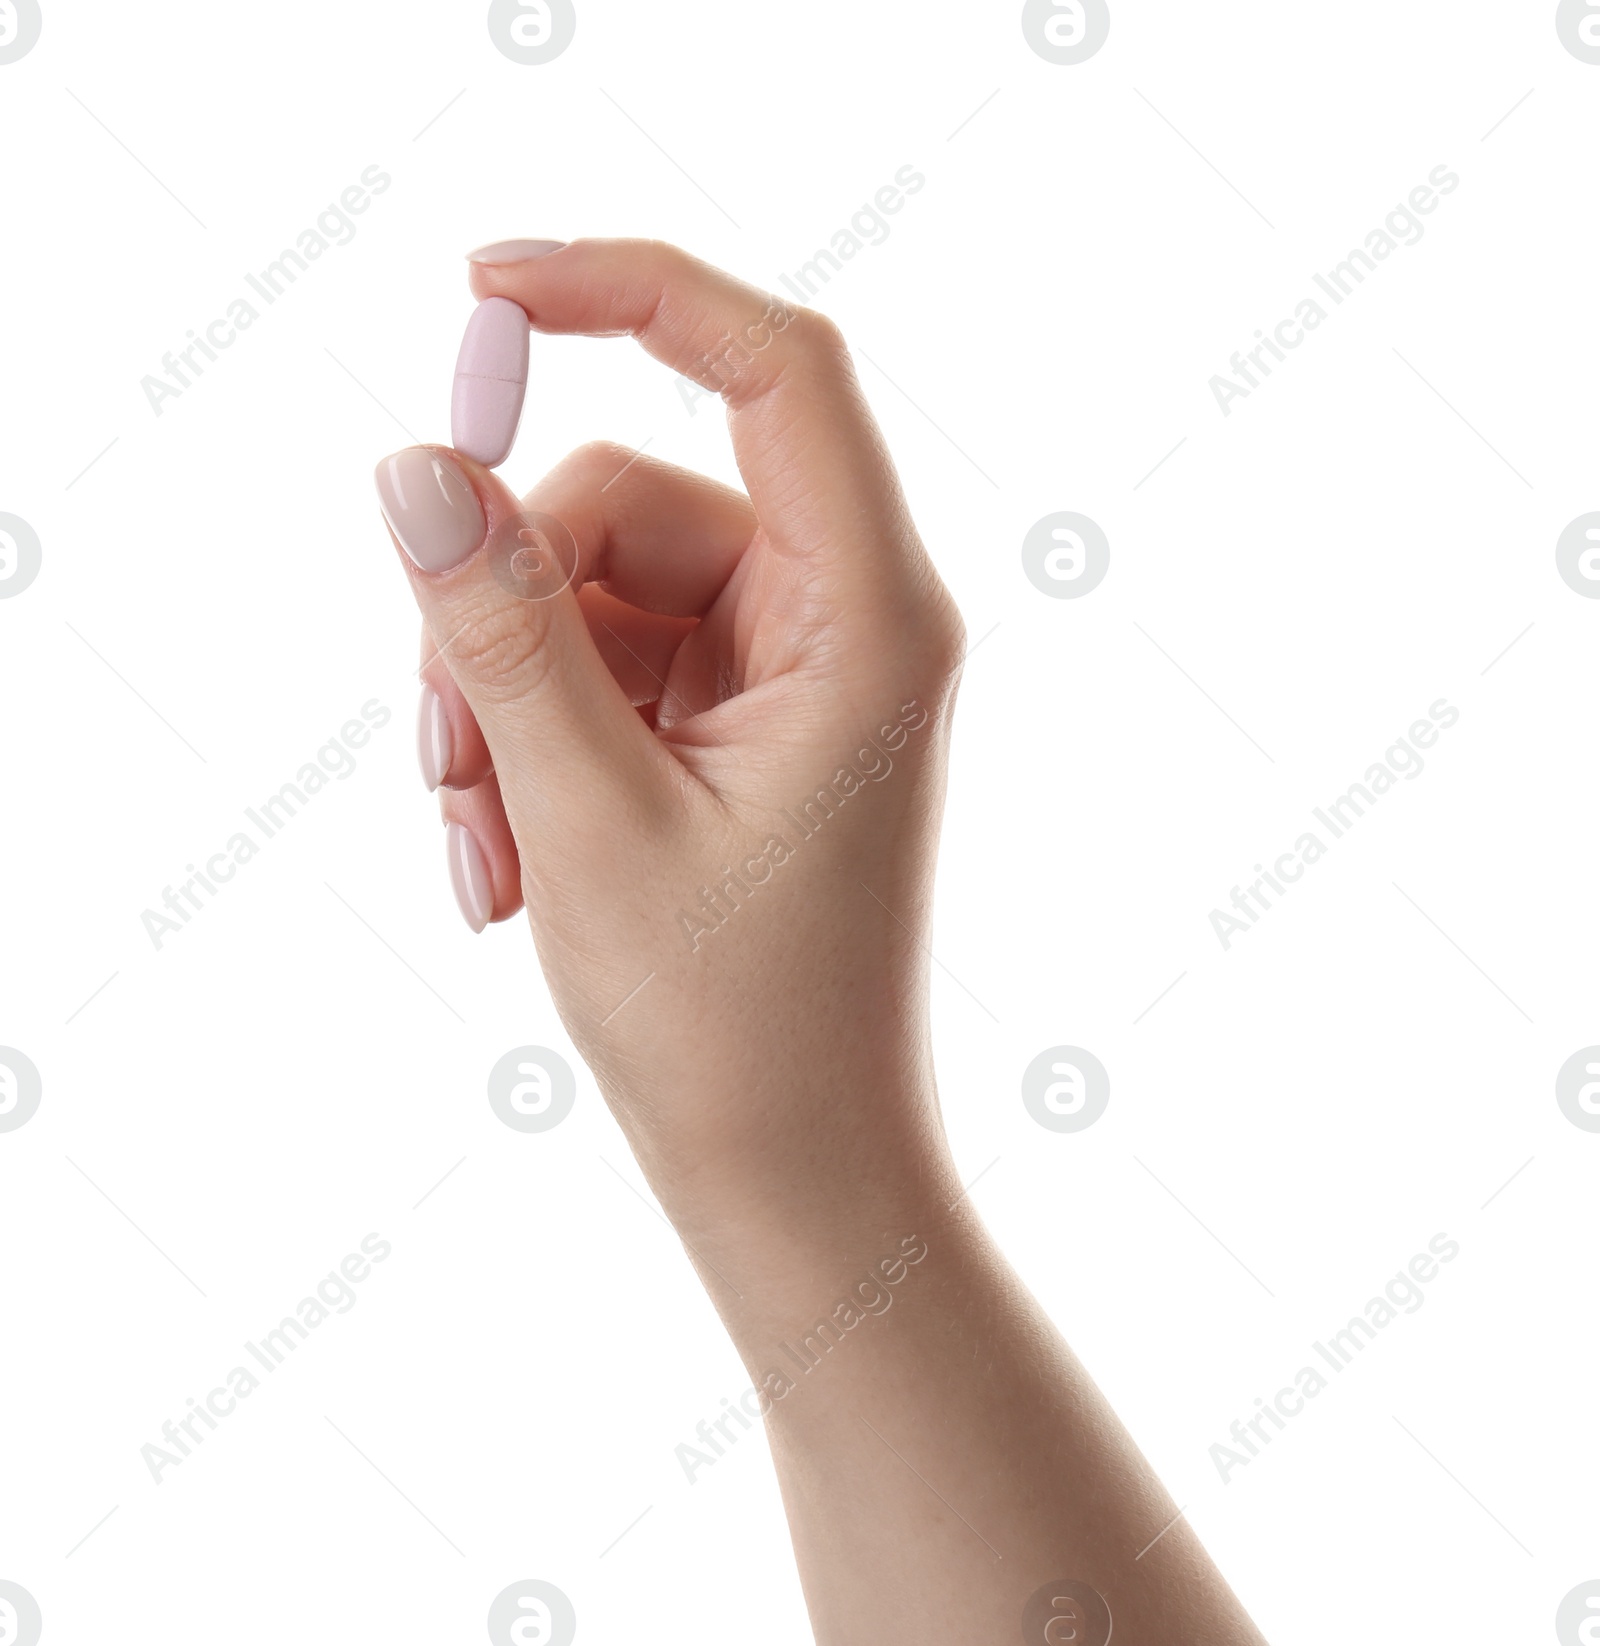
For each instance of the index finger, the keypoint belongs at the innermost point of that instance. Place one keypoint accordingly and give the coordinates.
(809, 450)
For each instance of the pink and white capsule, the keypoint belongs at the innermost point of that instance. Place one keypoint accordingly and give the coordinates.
(491, 380)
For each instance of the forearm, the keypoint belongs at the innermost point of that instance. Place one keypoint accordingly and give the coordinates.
(933, 1435)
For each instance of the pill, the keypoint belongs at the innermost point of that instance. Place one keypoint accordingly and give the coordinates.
(491, 379)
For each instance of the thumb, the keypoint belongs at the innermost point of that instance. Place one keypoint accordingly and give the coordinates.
(497, 585)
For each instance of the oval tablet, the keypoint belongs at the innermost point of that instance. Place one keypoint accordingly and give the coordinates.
(491, 379)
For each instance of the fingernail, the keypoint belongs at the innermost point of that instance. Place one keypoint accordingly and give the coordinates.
(514, 251)
(431, 507)
(491, 379)
(469, 876)
(435, 745)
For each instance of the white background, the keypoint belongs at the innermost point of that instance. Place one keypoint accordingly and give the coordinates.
(306, 1060)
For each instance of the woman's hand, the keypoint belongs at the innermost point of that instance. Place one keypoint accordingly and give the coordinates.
(700, 736)
(702, 739)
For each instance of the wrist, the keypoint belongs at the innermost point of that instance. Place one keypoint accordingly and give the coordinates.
(776, 1232)
(797, 1167)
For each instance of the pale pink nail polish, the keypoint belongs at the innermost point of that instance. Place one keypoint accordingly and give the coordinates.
(491, 379)
(469, 876)
(431, 507)
(435, 743)
(514, 251)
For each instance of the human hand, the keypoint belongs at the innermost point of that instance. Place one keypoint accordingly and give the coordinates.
(700, 736)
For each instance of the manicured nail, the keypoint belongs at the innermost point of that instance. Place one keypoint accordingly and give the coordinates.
(435, 744)
(469, 876)
(431, 507)
(514, 251)
(491, 378)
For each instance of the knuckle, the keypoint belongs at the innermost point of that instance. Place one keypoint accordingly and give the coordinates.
(499, 654)
(939, 638)
(817, 334)
(668, 262)
(948, 645)
(950, 648)
(599, 459)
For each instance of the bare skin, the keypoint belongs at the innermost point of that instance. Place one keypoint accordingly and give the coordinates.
(634, 753)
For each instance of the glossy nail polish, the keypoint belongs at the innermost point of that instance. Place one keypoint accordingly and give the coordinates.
(435, 743)
(514, 251)
(491, 380)
(469, 876)
(430, 506)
